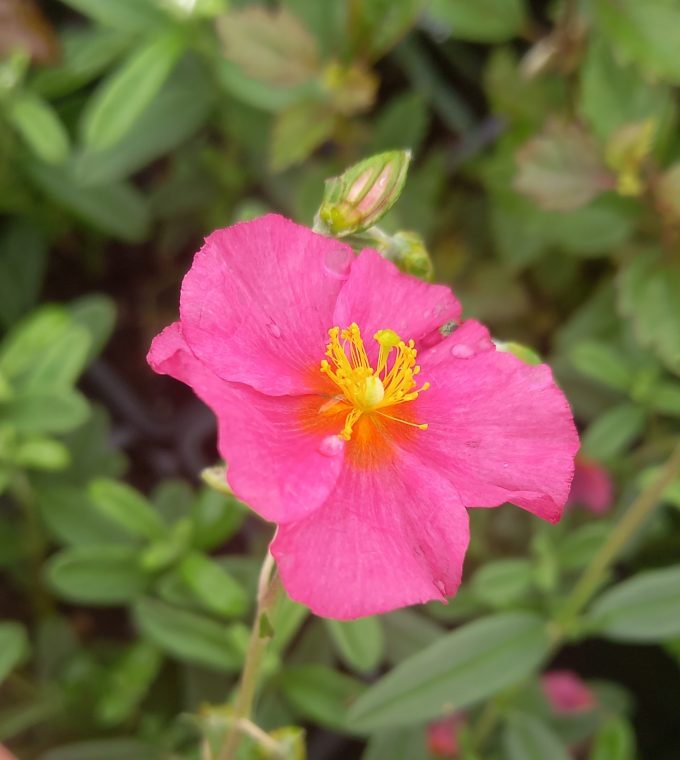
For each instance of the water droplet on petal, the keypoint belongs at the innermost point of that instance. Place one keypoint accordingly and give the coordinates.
(338, 262)
(440, 586)
(331, 446)
(505, 464)
(274, 329)
(461, 351)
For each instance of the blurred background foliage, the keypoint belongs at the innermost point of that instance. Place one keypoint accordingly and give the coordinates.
(546, 183)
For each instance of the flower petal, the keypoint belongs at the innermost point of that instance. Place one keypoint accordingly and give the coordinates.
(501, 430)
(258, 300)
(276, 464)
(468, 339)
(378, 296)
(387, 537)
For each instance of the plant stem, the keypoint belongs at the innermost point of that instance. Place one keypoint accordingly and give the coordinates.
(268, 588)
(640, 509)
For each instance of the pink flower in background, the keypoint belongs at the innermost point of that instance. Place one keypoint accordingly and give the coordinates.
(5, 754)
(591, 487)
(567, 692)
(442, 736)
(349, 420)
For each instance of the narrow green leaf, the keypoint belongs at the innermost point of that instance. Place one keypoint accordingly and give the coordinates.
(119, 748)
(360, 643)
(97, 314)
(13, 647)
(602, 363)
(299, 131)
(23, 257)
(212, 585)
(579, 547)
(190, 637)
(528, 738)
(116, 208)
(27, 341)
(398, 744)
(408, 632)
(99, 575)
(320, 694)
(176, 113)
(645, 608)
(126, 15)
(61, 363)
(646, 33)
(614, 741)
(614, 431)
(127, 508)
(122, 98)
(502, 583)
(648, 293)
(465, 666)
(40, 127)
(480, 21)
(128, 682)
(44, 412)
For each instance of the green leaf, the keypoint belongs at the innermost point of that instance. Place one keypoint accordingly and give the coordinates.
(480, 21)
(216, 518)
(646, 33)
(560, 169)
(85, 53)
(398, 744)
(60, 364)
(502, 583)
(108, 574)
(299, 131)
(55, 412)
(401, 124)
(190, 637)
(320, 694)
(645, 608)
(614, 431)
(360, 643)
(464, 667)
(28, 340)
(126, 15)
(41, 453)
(213, 586)
(128, 682)
(375, 26)
(117, 208)
(286, 620)
(40, 127)
(408, 632)
(97, 314)
(71, 518)
(613, 95)
(528, 738)
(170, 119)
(23, 257)
(614, 741)
(578, 548)
(127, 508)
(121, 99)
(601, 362)
(13, 647)
(648, 294)
(119, 748)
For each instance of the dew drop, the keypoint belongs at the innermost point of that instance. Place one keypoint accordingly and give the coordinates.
(338, 262)
(331, 446)
(461, 351)
(440, 586)
(274, 329)
(505, 465)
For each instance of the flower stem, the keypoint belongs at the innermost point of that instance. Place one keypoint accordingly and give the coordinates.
(594, 574)
(268, 588)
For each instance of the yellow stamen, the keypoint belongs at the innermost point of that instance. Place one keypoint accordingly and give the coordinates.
(365, 390)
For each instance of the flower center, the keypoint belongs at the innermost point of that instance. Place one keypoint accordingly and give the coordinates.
(366, 390)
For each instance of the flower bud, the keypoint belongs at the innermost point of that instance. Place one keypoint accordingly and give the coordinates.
(626, 152)
(361, 196)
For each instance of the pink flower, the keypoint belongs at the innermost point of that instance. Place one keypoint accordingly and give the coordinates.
(591, 487)
(567, 692)
(307, 356)
(442, 736)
